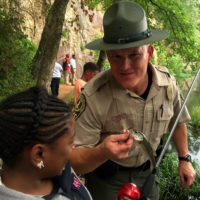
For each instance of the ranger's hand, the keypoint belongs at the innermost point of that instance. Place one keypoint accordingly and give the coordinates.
(187, 173)
(117, 146)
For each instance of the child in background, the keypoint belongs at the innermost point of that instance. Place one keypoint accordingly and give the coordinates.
(90, 69)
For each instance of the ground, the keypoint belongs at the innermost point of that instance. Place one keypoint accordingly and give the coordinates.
(65, 90)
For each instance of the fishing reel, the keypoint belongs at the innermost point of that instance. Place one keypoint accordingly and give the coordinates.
(128, 191)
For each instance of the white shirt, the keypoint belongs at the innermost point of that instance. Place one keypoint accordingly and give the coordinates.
(57, 69)
(73, 63)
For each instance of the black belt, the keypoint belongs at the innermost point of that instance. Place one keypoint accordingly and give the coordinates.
(110, 168)
(142, 167)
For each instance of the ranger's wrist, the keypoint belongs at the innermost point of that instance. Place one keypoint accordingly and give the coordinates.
(186, 158)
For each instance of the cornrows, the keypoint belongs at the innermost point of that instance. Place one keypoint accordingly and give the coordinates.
(32, 115)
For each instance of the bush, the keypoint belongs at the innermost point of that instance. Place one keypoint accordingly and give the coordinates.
(18, 75)
(62, 80)
(195, 116)
(16, 55)
(170, 187)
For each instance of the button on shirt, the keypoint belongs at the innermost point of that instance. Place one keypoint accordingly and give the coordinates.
(110, 109)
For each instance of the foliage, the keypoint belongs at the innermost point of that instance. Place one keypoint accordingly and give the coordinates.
(181, 18)
(91, 53)
(65, 37)
(194, 129)
(194, 140)
(16, 55)
(174, 63)
(170, 188)
(62, 80)
(70, 100)
(107, 64)
(196, 116)
(180, 51)
(18, 76)
(193, 106)
(82, 47)
(46, 6)
(194, 99)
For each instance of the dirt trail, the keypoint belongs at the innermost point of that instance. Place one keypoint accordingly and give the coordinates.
(65, 90)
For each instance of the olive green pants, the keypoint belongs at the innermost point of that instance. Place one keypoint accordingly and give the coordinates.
(107, 188)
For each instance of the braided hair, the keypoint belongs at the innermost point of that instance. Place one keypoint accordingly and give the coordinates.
(31, 115)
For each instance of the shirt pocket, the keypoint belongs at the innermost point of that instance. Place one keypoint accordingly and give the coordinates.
(163, 116)
(116, 124)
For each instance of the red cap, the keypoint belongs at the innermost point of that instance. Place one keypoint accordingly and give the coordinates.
(67, 54)
(129, 191)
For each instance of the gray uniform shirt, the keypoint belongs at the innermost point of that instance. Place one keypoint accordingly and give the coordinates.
(10, 194)
(105, 107)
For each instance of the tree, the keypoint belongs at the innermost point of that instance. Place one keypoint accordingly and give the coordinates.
(44, 60)
(101, 60)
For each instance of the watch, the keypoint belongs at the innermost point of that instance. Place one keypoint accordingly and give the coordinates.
(185, 158)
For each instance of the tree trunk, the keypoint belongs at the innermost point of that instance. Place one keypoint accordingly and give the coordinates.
(101, 60)
(44, 60)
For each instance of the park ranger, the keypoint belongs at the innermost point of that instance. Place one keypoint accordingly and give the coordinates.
(132, 95)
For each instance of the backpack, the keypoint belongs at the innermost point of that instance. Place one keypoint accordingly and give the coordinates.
(64, 65)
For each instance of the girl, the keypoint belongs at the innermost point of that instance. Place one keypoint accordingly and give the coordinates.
(36, 140)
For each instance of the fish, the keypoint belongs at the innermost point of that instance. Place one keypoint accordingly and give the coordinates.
(141, 140)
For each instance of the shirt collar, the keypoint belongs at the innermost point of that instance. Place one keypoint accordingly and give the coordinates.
(160, 75)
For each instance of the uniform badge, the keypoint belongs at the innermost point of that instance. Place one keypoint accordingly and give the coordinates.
(79, 107)
(119, 117)
(169, 93)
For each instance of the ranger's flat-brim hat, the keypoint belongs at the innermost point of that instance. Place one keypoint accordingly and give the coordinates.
(125, 26)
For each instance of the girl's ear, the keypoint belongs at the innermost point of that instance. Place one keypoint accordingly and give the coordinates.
(37, 153)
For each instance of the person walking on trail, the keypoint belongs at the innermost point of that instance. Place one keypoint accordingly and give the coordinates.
(55, 81)
(90, 69)
(66, 69)
(73, 69)
(133, 94)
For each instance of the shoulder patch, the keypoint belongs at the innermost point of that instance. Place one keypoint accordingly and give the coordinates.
(80, 106)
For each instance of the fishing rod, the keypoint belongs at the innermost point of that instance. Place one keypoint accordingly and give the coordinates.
(147, 187)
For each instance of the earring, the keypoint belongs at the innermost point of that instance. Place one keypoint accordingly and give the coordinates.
(40, 164)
